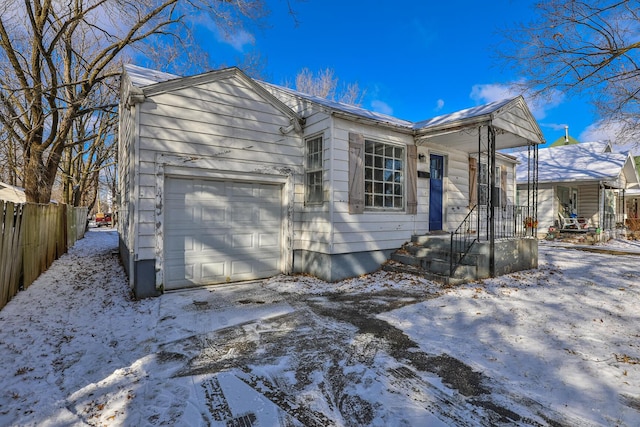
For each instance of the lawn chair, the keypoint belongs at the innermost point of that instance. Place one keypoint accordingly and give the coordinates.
(572, 222)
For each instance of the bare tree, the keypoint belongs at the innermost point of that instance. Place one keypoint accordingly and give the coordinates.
(325, 85)
(587, 47)
(54, 56)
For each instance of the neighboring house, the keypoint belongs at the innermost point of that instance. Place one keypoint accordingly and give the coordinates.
(224, 178)
(586, 180)
(10, 193)
(632, 202)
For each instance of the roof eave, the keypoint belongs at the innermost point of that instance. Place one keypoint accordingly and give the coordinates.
(368, 120)
(453, 126)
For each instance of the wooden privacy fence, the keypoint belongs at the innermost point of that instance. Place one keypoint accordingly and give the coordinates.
(32, 236)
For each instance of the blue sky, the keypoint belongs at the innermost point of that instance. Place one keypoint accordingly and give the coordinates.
(415, 59)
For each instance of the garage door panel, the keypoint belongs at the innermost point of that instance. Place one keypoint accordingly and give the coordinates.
(269, 192)
(205, 190)
(240, 241)
(209, 215)
(268, 240)
(243, 212)
(239, 190)
(218, 231)
(212, 271)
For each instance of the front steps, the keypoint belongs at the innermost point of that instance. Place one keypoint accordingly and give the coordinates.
(429, 256)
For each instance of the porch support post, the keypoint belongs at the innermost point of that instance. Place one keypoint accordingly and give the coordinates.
(624, 208)
(535, 187)
(491, 137)
(478, 169)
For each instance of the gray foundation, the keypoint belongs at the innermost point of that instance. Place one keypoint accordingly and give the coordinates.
(144, 279)
(510, 256)
(143, 275)
(333, 268)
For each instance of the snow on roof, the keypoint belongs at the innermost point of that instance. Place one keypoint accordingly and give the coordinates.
(340, 106)
(468, 113)
(587, 161)
(141, 76)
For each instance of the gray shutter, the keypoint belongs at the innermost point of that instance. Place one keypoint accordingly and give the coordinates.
(412, 179)
(473, 182)
(356, 173)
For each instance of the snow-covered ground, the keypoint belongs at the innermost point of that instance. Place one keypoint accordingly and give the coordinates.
(559, 345)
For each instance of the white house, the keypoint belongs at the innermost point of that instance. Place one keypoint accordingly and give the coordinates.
(587, 180)
(224, 178)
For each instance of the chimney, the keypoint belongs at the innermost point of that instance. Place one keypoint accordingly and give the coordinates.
(566, 134)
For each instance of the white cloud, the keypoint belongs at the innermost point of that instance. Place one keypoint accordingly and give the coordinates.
(381, 107)
(611, 132)
(555, 126)
(598, 131)
(236, 40)
(485, 93)
(439, 104)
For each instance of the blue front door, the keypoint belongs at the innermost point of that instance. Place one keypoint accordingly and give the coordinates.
(435, 192)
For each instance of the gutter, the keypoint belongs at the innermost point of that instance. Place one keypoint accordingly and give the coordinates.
(367, 120)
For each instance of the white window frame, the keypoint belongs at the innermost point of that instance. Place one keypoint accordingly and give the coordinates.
(385, 167)
(314, 170)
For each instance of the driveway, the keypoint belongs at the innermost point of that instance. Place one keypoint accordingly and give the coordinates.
(385, 349)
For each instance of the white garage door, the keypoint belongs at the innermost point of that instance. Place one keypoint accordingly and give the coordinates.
(220, 231)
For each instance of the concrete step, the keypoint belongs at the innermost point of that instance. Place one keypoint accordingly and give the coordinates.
(405, 258)
(429, 256)
(438, 266)
(417, 271)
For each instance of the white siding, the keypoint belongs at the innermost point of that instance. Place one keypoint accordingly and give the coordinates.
(589, 202)
(224, 125)
(547, 205)
(312, 223)
(370, 230)
(126, 166)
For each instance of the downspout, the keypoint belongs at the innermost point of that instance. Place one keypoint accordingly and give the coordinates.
(331, 185)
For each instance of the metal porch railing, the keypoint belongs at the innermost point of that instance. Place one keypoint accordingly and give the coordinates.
(509, 222)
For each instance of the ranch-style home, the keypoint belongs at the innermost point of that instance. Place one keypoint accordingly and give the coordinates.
(224, 178)
(582, 186)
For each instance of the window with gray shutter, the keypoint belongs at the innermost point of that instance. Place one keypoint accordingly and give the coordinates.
(377, 175)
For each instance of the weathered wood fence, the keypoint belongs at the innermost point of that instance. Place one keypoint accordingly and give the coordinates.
(32, 236)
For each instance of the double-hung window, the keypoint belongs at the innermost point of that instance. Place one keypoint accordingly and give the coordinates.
(314, 192)
(384, 170)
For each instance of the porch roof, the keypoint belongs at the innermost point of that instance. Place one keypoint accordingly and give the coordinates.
(511, 117)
